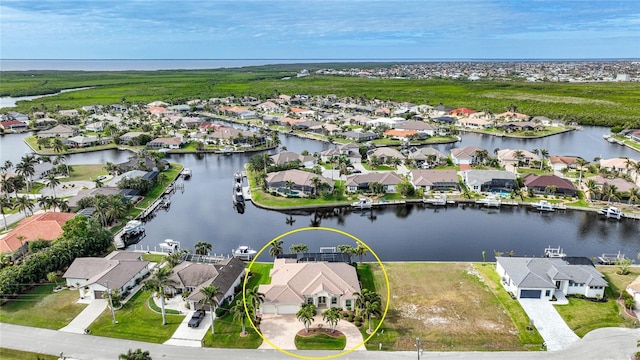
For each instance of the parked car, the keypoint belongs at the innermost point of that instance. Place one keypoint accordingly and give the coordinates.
(196, 318)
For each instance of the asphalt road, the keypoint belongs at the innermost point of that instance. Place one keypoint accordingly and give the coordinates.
(608, 343)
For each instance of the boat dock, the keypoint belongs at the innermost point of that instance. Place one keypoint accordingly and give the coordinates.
(610, 259)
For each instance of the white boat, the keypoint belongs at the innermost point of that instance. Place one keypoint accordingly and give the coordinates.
(611, 212)
(186, 173)
(133, 227)
(362, 204)
(170, 245)
(244, 253)
(490, 201)
(437, 200)
(543, 205)
(238, 194)
(554, 252)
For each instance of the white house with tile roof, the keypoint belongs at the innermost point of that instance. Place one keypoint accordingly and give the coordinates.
(324, 284)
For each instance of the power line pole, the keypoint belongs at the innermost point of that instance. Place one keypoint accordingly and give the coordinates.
(418, 347)
(113, 313)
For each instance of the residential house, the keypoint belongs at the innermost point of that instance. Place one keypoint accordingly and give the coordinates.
(435, 180)
(350, 151)
(404, 135)
(541, 184)
(14, 125)
(301, 182)
(510, 116)
(72, 113)
(130, 136)
(385, 154)
(487, 180)
(81, 141)
(465, 155)
(623, 186)
(62, 131)
(446, 120)
(325, 129)
(509, 158)
(426, 156)
(634, 289)
(191, 277)
(388, 122)
(232, 136)
(634, 135)
(544, 278)
(166, 143)
(191, 122)
(94, 276)
(360, 136)
(323, 284)
(40, 226)
(285, 157)
(96, 126)
(73, 201)
(558, 163)
(475, 123)
(520, 126)
(303, 113)
(618, 165)
(361, 182)
(462, 112)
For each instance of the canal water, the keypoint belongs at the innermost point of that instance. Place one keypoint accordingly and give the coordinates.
(204, 212)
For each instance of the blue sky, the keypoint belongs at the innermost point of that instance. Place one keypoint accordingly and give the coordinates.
(327, 29)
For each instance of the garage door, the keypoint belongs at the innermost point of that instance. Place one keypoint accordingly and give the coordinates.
(530, 294)
(98, 294)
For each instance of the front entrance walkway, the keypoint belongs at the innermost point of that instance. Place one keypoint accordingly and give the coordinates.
(86, 317)
(555, 332)
(281, 330)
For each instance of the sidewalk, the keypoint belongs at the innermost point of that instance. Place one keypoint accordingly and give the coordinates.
(86, 317)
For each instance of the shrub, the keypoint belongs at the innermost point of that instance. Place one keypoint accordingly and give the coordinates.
(350, 318)
(357, 318)
(357, 323)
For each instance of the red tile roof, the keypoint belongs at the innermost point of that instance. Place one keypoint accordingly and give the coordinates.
(45, 226)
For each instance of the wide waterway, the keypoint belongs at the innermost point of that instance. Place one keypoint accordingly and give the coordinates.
(204, 212)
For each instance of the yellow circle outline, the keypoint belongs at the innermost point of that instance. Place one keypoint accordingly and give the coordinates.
(253, 325)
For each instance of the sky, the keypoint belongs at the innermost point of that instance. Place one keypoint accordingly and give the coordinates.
(326, 29)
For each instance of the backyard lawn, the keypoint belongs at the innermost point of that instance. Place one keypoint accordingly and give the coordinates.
(136, 322)
(449, 307)
(41, 307)
(85, 172)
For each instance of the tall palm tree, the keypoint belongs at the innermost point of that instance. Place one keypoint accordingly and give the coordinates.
(24, 204)
(634, 195)
(360, 251)
(298, 248)
(53, 182)
(591, 189)
(239, 314)
(60, 204)
(254, 299)
(26, 169)
(5, 202)
(372, 307)
(636, 169)
(306, 314)
(210, 293)
(544, 154)
(581, 163)
(116, 208)
(202, 247)
(157, 283)
(62, 159)
(276, 248)
(610, 192)
(45, 202)
(58, 145)
(331, 316)
(316, 184)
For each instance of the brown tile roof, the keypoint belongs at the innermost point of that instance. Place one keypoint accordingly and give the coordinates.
(384, 178)
(533, 180)
(45, 226)
(431, 177)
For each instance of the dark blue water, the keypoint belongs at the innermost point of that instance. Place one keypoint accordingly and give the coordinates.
(204, 212)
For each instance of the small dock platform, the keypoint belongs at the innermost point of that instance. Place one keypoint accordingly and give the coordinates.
(611, 259)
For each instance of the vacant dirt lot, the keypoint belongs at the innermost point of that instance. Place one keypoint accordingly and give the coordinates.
(447, 306)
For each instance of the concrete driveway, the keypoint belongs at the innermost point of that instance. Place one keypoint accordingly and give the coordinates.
(281, 330)
(555, 332)
(186, 336)
(86, 316)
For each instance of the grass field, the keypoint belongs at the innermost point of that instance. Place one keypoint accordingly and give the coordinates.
(588, 103)
(9, 354)
(41, 307)
(136, 321)
(448, 306)
(320, 342)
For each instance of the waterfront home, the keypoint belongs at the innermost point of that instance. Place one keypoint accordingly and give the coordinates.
(285, 157)
(385, 154)
(125, 138)
(520, 126)
(487, 180)
(350, 151)
(325, 129)
(634, 135)
(306, 125)
(545, 278)
(131, 174)
(389, 122)
(634, 289)
(231, 136)
(426, 156)
(94, 276)
(61, 131)
(73, 201)
(361, 182)
(82, 141)
(296, 182)
(435, 180)
(462, 112)
(422, 128)
(14, 115)
(191, 122)
(14, 125)
(466, 155)
(191, 277)
(144, 164)
(404, 135)
(543, 184)
(359, 136)
(323, 284)
(72, 113)
(511, 116)
(96, 126)
(303, 113)
(509, 158)
(618, 165)
(40, 226)
(475, 123)
(558, 163)
(166, 143)
(623, 186)
(446, 120)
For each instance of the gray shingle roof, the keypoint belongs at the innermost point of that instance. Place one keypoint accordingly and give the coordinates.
(543, 272)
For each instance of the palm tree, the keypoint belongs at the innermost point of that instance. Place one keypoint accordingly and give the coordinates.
(116, 208)
(26, 169)
(210, 293)
(636, 169)
(159, 281)
(360, 251)
(634, 195)
(98, 183)
(332, 317)
(591, 189)
(254, 300)
(316, 184)
(239, 314)
(202, 247)
(544, 153)
(53, 182)
(62, 159)
(581, 163)
(305, 315)
(60, 204)
(298, 248)
(138, 354)
(610, 192)
(5, 202)
(482, 155)
(276, 248)
(58, 145)
(45, 202)
(519, 155)
(372, 307)
(23, 203)
(22, 239)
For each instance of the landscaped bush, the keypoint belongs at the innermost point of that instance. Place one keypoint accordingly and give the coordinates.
(357, 323)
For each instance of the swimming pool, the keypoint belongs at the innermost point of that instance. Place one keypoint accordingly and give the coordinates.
(501, 192)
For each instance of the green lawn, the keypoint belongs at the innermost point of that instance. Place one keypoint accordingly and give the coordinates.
(157, 258)
(136, 322)
(10, 354)
(320, 342)
(365, 275)
(41, 307)
(32, 141)
(86, 172)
